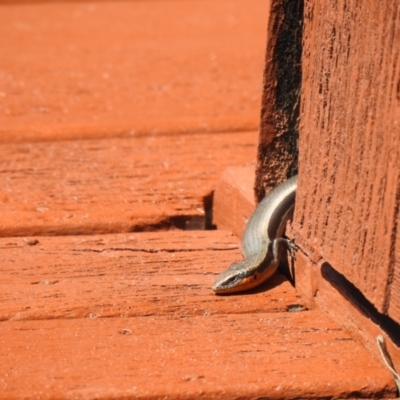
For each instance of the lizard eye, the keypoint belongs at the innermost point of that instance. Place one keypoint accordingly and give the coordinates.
(231, 280)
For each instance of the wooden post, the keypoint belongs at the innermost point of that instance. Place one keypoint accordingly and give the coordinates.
(347, 208)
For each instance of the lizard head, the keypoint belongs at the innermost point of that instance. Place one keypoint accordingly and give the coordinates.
(229, 280)
(239, 277)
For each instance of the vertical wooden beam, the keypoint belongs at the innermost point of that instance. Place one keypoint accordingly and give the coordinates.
(277, 152)
(348, 201)
(350, 140)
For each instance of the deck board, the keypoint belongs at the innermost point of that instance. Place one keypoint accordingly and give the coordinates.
(279, 355)
(127, 275)
(113, 185)
(75, 69)
(133, 315)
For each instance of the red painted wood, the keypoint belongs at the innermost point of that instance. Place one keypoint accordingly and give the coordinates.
(217, 357)
(234, 199)
(113, 185)
(105, 69)
(350, 143)
(132, 314)
(129, 275)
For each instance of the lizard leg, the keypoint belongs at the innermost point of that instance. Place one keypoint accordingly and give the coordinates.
(279, 243)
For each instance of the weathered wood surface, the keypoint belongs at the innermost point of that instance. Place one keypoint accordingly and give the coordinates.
(275, 356)
(126, 275)
(132, 315)
(277, 148)
(113, 185)
(104, 69)
(319, 291)
(66, 300)
(234, 199)
(348, 201)
(348, 204)
(310, 276)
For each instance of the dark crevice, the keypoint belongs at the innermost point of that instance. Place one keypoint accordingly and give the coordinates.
(280, 112)
(152, 251)
(354, 295)
(288, 52)
(182, 222)
(208, 203)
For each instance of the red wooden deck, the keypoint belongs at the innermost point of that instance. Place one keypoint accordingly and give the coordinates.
(117, 120)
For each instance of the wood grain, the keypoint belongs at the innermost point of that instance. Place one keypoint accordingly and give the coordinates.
(114, 185)
(234, 200)
(348, 203)
(64, 76)
(276, 355)
(133, 315)
(126, 275)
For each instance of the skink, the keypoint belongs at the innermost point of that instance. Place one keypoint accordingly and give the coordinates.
(262, 241)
